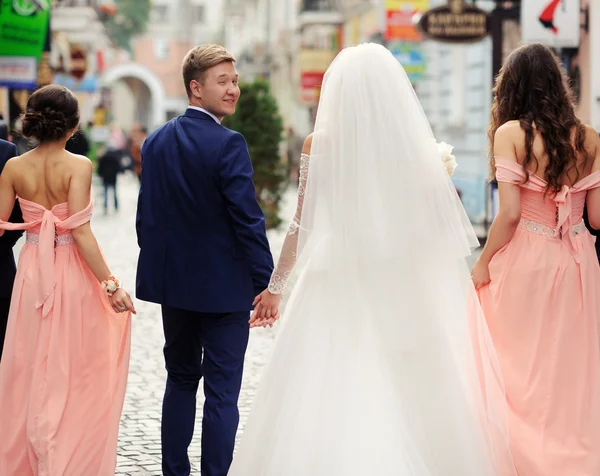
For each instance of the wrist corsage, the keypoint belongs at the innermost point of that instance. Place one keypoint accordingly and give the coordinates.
(110, 285)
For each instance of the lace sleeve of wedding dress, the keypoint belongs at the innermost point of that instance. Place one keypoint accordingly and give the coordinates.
(287, 258)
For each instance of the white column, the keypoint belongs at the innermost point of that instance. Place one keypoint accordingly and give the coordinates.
(594, 35)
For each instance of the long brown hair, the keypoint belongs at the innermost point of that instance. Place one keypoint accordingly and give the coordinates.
(533, 88)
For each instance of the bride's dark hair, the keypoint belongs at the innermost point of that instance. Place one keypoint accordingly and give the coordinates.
(533, 88)
(52, 111)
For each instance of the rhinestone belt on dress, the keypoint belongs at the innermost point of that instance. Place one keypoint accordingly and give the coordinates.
(59, 240)
(538, 228)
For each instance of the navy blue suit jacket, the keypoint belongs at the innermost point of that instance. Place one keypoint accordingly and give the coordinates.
(201, 232)
(8, 240)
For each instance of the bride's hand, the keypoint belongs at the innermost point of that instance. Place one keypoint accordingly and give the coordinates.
(480, 274)
(121, 301)
(266, 309)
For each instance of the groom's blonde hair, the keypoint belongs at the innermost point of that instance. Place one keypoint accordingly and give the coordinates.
(200, 59)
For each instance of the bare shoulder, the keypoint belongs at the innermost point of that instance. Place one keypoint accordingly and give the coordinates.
(15, 166)
(12, 165)
(510, 131)
(80, 163)
(508, 140)
(307, 144)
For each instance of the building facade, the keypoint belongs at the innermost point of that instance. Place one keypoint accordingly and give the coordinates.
(263, 36)
(147, 86)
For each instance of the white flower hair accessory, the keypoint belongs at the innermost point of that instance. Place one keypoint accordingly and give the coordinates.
(445, 151)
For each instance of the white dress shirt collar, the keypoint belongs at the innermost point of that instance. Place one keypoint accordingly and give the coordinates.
(205, 112)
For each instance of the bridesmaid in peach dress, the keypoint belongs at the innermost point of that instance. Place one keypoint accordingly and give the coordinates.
(538, 275)
(64, 369)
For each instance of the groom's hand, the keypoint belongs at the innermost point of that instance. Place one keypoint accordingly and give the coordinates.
(266, 309)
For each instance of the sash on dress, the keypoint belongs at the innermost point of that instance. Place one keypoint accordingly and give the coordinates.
(48, 223)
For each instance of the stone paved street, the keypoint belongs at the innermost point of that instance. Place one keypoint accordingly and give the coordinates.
(139, 443)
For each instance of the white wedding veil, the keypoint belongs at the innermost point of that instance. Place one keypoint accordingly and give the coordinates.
(385, 235)
(377, 184)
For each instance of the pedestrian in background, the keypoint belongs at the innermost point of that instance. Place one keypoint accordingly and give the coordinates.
(79, 144)
(137, 137)
(109, 167)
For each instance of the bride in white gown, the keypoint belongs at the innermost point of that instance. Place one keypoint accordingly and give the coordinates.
(383, 364)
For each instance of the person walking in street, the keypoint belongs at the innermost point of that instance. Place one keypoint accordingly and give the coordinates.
(379, 368)
(64, 369)
(79, 143)
(109, 168)
(538, 275)
(136, 141)
(204, 256)
(7, 242)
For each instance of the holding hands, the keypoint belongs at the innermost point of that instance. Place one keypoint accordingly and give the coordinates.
(266, 309)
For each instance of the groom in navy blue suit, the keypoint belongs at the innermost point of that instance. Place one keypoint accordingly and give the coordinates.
(7, 241)
(204, 257)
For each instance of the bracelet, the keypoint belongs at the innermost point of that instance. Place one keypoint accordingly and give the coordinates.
(110, 285)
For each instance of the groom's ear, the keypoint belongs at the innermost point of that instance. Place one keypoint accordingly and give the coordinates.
(196, 88)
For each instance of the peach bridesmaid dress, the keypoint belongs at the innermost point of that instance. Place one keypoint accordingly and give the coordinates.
(64, 368)
(543, 308)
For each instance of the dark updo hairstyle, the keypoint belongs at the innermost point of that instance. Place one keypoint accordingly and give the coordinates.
(52, 111)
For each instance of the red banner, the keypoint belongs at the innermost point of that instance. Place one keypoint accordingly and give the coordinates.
(400, 26)
(312, 80)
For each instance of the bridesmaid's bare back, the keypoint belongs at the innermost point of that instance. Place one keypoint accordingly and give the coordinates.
(43, 175)
(516, 135)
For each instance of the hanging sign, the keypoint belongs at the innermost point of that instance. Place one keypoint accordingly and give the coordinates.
(555, 23)
(455, 23)
(23, 27)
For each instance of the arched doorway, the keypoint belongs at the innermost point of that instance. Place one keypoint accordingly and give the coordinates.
(142, 97)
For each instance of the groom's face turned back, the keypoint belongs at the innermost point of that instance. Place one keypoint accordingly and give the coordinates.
(211, 79)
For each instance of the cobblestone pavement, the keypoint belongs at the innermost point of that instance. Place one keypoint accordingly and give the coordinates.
(139, 441)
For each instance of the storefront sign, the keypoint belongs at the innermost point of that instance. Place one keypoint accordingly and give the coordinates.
(455, 23)
(18, 72)
(399, 24)
(555, 23)
(23, 27)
